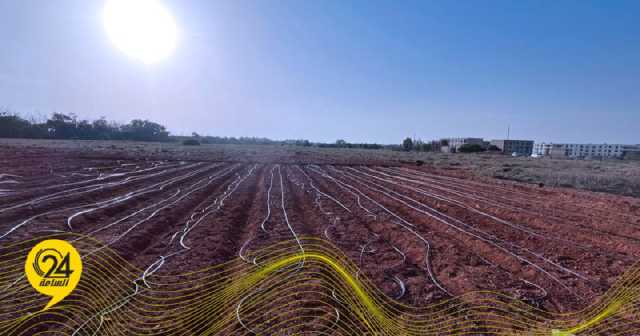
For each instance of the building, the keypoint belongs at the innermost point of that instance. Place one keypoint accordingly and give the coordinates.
(519, 147)
(542, 149)
(557, 151)
(579, 150)
(631, 152)
(453, 144)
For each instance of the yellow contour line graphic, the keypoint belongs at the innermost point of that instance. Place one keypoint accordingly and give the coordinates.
(286, 291)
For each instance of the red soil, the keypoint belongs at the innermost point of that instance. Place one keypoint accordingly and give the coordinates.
(557, 249)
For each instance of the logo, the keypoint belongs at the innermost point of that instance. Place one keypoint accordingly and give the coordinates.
(53, 268)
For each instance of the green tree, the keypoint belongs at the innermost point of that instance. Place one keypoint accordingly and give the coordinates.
(470, 148)
(145, 130)
(407, 144)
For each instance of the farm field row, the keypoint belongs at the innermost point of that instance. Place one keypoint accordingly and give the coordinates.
(419, 235)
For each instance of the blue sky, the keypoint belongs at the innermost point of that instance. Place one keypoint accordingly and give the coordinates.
(364, 71)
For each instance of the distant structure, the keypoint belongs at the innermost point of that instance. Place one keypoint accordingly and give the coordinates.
(519, 147)
(451, 145)
(436, 145)
(582, 150)
(631, 152)
(543, 148)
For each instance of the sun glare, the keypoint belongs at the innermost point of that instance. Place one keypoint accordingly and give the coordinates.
(143, 29)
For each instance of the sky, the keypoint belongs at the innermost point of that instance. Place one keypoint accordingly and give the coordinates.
(363, 71)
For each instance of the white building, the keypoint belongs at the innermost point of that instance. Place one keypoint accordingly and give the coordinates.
(578, 150)
(541, 149)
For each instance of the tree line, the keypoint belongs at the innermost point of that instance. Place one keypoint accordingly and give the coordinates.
(340, 143)
(69, 126)
(417, 145)
(63, 126)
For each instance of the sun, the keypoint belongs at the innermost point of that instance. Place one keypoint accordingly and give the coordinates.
(143, 29)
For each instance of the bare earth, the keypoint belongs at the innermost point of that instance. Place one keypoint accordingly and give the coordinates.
(555, 248)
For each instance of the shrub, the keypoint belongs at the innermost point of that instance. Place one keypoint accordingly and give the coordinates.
(191, 142)
(470, 148)
(407, 144)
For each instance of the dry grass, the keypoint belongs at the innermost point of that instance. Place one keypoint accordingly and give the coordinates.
(611, 176)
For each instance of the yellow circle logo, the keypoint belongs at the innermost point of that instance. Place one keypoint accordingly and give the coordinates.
(53, 268)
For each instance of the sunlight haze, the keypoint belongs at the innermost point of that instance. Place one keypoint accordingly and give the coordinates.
(365, 71)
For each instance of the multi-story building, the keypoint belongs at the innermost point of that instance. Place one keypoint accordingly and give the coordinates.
(453, 144)
(579, 150)
(519, 147)
(542, 149)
